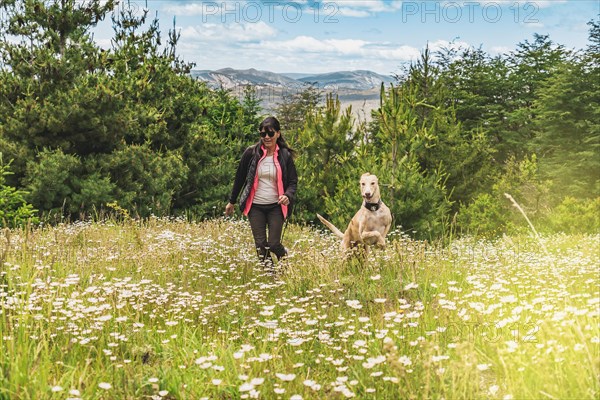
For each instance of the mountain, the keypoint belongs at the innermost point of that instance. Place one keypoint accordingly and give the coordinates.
(358, 80)
(296, 75)
(359, 89)
(230, 78)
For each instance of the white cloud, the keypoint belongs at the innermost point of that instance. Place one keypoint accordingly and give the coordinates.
(360, 49)
(364, 8)
(350, 12)
(369, 5)
(219, 48)
(306, 44)
(104, 43)
(380, 44)
(225, 10)
(548, 3)
(496, 50)
(367, 8)
(375, 5)
(237, 32)
(534, 25)
(190, 10)
(402, 53)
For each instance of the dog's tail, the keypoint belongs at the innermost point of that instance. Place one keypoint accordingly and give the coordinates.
(331, 226)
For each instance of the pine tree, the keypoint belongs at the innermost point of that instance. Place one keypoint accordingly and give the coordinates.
(325, 145)
(127, 124)
(477, 88)
(568, 124)
(464, 155)
(531, 65)
(416, 194)
(296, 107)
(50, 77)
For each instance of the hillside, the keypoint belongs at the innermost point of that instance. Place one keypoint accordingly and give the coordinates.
(357, 80)
(359, 89)
(230, 78)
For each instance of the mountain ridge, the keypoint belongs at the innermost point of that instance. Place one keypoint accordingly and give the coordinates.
(230, 78)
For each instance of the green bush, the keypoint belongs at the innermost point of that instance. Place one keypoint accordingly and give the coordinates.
(50, 180)
(482, 217)
(490, 214)
(14, 210)
(574, 216)
(145, 180)
(94, 192)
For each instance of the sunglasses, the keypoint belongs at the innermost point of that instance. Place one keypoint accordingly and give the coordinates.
(264, 134)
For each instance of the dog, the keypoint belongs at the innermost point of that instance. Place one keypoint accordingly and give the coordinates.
(370, 224)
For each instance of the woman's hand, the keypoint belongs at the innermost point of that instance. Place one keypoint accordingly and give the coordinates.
(283, 199)
(229, 209)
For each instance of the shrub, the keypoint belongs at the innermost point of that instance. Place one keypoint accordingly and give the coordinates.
(490, 214)
(14, 210)
(574, 216)
(94, 192)
(145, 180)
(50, 180)
(482, 217)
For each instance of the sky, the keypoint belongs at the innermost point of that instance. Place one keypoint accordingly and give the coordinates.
(307, 36)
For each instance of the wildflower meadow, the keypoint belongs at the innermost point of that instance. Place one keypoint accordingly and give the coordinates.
(169, 309)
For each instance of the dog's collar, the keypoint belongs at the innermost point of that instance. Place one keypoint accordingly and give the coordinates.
(373, 206)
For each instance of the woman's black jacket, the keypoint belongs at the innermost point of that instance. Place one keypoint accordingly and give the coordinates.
(246, 172)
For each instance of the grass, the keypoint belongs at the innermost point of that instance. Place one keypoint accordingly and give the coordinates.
(168, 309)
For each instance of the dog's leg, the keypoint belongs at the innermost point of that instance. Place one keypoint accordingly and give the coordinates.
(358, 251)
(364, 252)
(351, 249)
(345, 245)
(373, 237)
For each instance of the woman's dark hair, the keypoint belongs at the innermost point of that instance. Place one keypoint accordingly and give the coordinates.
(272, 124)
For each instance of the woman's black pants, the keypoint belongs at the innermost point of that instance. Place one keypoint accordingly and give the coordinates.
(263, 219)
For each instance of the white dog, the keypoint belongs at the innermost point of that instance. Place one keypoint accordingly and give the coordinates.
(371, 223)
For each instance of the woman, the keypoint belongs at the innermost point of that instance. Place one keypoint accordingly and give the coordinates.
(266, 177)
